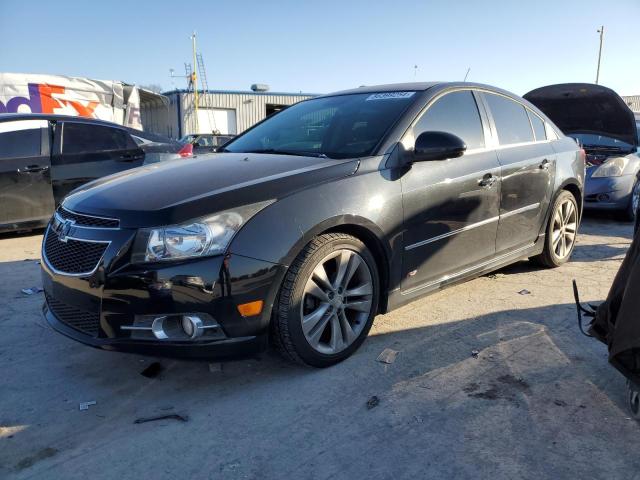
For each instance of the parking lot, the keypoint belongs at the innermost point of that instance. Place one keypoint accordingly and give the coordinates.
(539, 399)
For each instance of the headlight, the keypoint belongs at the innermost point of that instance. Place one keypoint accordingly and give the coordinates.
(198, 238)
(613, 167)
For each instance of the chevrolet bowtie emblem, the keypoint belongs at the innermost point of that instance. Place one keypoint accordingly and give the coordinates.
(63, 228)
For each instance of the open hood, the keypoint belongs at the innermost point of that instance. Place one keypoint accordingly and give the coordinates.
(586, 108)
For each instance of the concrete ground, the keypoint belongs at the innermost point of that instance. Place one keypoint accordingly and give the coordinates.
(538, 401)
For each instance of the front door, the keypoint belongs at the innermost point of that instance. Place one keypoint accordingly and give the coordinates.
(528, 165)
(25, 182)
(85, 151)
(451, 207)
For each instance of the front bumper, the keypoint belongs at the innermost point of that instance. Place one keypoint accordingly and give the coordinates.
(608, 193)
(99, 309)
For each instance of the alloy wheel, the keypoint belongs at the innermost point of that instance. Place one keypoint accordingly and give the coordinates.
(565, 227)
(337, 301)
(635, 199)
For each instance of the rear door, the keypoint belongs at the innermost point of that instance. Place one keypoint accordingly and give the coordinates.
(85, 151)
(25, 182)
(450, 206)
(528, 164)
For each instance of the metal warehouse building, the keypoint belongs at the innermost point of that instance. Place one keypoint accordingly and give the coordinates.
(634, 102)
(220, 111)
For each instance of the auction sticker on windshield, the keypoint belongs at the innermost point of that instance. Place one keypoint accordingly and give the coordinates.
(390, 95)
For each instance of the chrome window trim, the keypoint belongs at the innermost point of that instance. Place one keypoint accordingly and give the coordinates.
(451, 233)
(468, 270)
(421, 243)
(533, 206)
(68, 274)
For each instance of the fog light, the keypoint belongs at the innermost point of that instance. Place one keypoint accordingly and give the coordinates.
(192, 326)
(604, 197)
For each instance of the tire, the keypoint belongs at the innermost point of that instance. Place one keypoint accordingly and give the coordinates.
(633, 399)
(561, 234)
(312, 293)
(631, 212)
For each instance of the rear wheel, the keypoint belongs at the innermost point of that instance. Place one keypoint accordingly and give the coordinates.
(327, 302)
(562, 231)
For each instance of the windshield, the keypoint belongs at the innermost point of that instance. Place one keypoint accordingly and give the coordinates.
(589, 139)
(345, 126)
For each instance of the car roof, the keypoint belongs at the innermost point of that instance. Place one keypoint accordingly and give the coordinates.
(416, 86)
(5, 117)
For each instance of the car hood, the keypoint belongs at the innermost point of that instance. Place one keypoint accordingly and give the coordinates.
(586, 108)
(176, 191)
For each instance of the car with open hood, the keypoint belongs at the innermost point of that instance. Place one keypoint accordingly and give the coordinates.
(312, 222)
(603, 124)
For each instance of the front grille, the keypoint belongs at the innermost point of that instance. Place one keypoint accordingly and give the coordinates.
(87, 220)
(81, 320)
(72, 256)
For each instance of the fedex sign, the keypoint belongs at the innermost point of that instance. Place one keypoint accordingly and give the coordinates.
(46, 98)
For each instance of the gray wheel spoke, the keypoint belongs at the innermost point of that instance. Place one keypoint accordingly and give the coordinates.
(556, 238)
(354, 264)
(337, 340)
(321, 278)
(364, 289)
(343, 265)
(358, 305)
(313, 319)
(347, 330)
(313, 289)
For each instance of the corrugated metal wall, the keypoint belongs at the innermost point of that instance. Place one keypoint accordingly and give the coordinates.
(250, 108)
(634, 102)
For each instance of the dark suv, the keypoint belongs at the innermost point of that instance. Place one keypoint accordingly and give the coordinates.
(312, 222)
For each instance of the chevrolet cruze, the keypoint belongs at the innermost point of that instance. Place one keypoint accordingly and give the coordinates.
(312, 222)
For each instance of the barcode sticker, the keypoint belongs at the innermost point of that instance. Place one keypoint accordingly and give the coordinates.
(390, 96)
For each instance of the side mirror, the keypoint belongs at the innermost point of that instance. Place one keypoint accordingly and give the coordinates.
(438, 146)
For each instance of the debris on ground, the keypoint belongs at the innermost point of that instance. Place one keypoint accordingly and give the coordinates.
(215, 367)
(387, 356)
(560, 403)
(169, 416)
(524, 292)
(373, 402)
(152, 371)
(32, 290)
(86, 405)
(475, 353)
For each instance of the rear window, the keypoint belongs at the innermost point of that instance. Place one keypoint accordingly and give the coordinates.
(21, 139)
(511, 120)
(87, 138)
(538, 126)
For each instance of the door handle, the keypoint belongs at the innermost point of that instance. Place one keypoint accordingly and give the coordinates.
(130, 157)
(545, 164)
(33, 169)
(487, 181)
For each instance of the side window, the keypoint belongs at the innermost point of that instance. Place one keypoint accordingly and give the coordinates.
(538, 126)
(455, 113)
(86, 138)
(21, 138)
(511, 120)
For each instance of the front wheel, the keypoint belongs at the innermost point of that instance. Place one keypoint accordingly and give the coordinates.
(633, 397)
(634, 202)
(562, 232)
(327, 301)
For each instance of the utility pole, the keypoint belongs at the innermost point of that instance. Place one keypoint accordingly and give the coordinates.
(601, 32)
(466, 74)
(415, 71)
(195, 80)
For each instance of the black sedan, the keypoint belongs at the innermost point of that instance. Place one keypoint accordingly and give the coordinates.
(312, 222)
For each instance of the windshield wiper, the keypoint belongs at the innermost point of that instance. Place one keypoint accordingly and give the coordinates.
(276, 151)
(605, 147)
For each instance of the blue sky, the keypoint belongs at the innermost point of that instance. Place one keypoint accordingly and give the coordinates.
(327, 45)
